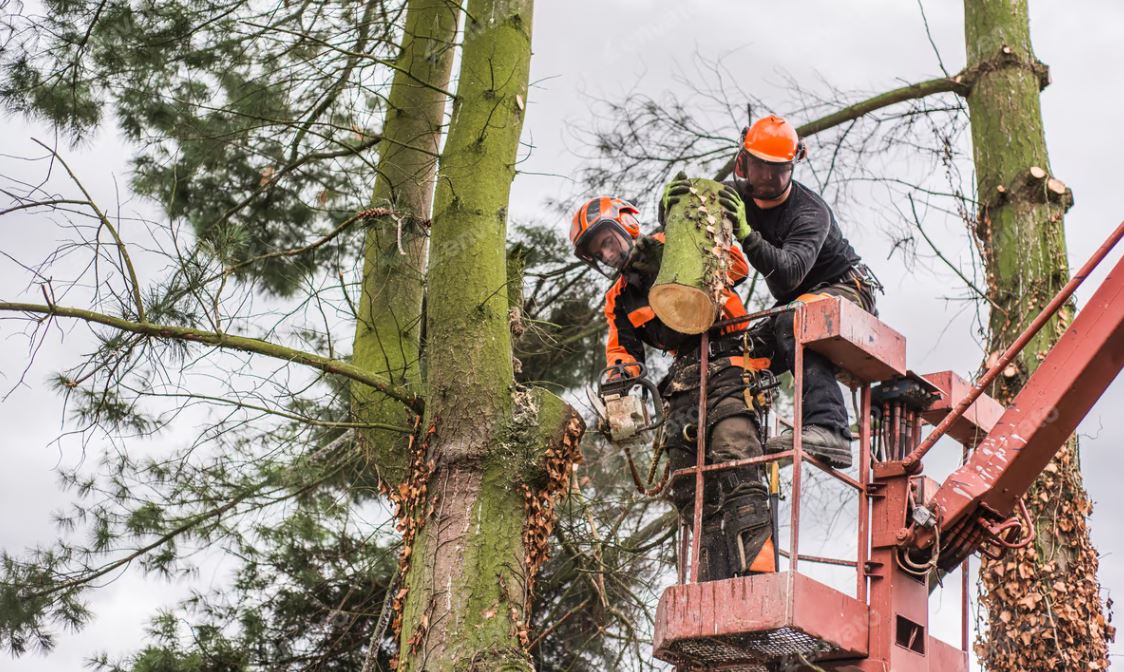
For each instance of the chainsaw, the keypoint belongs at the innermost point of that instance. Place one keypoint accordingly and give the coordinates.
(627, 413)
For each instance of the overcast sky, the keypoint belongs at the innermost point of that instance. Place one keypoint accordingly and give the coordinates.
(639, 45)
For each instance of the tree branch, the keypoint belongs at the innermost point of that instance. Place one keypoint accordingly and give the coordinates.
(43, 204)
(370, 213)
(347, 52)
(955, 269)
(125, 259)
(123, 561)
(297, 163)
(227, 342)
(304, 419)
(186, 526)
(954, 84)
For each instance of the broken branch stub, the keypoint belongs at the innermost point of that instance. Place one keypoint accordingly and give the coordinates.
(688, 291)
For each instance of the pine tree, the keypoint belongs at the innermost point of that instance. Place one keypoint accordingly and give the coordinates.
(255, 129)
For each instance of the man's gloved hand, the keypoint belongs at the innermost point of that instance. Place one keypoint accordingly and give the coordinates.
(734, 207)
(647, 253)
(622, 371)
(675, 190)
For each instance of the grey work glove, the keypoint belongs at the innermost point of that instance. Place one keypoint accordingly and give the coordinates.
(675, 190)
(734, 208)
(647, 254)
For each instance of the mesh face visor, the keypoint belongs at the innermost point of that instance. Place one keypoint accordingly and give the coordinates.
(605, 246)
(765, 180)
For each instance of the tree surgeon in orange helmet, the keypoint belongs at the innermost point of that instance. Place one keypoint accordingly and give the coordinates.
(790, 235)
(737, 535)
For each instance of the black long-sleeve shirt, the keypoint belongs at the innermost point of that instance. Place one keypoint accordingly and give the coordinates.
(797, 245)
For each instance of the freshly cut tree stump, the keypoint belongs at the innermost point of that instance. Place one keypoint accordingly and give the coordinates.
(688, 292)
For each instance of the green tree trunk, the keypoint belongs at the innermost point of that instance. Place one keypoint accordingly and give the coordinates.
(1043, 602)
(687, 293)
(473, 558)
(388, 328)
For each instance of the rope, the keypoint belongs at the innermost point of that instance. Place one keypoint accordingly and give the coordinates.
(645, 486)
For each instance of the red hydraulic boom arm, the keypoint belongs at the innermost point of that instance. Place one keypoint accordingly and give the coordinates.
(911, 529)
(974, 505)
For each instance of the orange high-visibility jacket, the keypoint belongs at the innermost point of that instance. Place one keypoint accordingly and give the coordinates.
(633, 323)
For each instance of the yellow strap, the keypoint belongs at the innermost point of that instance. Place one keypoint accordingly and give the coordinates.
(812, 298)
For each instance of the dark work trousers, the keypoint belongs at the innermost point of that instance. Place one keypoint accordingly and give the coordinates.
(736, 521)
(823, 400)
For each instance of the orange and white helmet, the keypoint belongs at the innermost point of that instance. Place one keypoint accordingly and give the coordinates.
(769, 148)
(598, 215)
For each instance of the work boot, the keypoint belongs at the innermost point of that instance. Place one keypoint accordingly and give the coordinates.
(826, 444)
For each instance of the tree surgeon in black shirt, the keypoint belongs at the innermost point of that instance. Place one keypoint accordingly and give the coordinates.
(789, 235)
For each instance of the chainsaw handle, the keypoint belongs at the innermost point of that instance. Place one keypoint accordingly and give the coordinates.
(657, 403)
(623, 378)
(624, 382)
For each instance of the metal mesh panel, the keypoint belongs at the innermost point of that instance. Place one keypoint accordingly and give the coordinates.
(749, 652)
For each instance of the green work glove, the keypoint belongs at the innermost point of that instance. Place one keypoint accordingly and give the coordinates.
(734, 208)
(675, 190)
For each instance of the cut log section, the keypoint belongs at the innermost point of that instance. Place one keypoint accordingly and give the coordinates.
(688, 292)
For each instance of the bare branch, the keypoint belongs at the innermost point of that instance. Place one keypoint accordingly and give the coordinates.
(274, 179)
(347, 52)
(929, 34)
(125, 259)
(225, 341)
(954, 84)
(370, 213)
(42, 204)
(303, 419)
(955, 269)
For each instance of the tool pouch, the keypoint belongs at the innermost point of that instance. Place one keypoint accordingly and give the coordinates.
(746, 526)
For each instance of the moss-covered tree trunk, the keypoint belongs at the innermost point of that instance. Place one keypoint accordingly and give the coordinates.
(1043, 603)
(485, 500)
(388, 328)
(687, 292)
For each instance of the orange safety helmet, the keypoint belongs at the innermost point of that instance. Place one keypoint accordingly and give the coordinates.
(768, 148)
(773, 139)
(597, 214)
